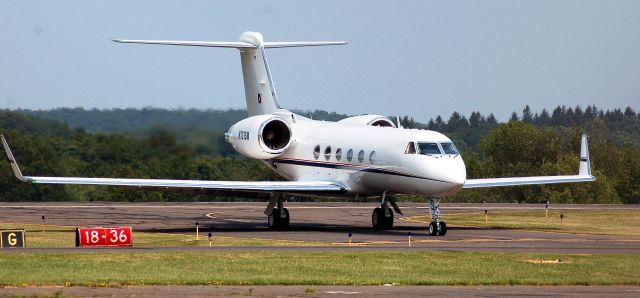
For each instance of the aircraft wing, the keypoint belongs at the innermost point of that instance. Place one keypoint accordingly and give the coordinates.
(584, 175)
(196, 185)
(492, 182)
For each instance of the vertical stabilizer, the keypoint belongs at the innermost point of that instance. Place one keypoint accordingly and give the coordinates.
(259, 90)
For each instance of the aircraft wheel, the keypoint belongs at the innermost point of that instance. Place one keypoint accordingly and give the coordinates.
(377, 218)
(433, 229)
(443, 229)
(274, 219)
(388, 221)
(284, 221)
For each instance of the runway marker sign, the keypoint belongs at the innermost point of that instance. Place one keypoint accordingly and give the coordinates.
(111, 237)
(12, 238)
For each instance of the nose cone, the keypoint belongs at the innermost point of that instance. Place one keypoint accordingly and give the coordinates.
(455, 174)
(458, 173)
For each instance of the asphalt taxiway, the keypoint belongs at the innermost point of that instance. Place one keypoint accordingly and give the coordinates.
(320, 222)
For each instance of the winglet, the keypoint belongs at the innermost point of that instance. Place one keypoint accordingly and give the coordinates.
(585, 164)
(14, 164)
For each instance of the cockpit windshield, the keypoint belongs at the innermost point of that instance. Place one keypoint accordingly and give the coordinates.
(449, 148)
(428, 148)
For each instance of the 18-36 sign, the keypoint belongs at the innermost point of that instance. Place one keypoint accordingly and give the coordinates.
(104, 236)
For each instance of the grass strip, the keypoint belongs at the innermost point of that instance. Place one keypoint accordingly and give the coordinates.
(315, 268)
(595, 222)
(64, 236)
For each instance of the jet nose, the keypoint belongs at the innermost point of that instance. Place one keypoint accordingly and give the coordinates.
(457, 173)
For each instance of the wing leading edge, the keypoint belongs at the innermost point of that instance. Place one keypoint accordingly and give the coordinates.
(329, 187)
(584, 174)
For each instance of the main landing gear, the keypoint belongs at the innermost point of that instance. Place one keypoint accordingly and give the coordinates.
(436, 227)
(278, 216)
(382, 217)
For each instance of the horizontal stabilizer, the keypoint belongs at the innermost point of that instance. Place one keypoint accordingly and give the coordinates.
(293, 44)
(232, 44)
(212, 44)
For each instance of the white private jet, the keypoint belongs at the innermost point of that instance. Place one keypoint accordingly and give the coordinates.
(364, 155)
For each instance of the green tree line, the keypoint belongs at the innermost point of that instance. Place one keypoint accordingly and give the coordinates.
(529, 144)
(57, 150)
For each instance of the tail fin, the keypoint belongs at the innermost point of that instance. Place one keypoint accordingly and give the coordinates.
(259, 89)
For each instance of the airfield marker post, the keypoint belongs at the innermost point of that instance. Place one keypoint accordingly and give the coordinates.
(350, 235)
(546, 209)
(486, 218)
(210, 236)
(409, 235)
(197, 231)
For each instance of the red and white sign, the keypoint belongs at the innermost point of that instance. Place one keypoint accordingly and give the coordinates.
(104, 236)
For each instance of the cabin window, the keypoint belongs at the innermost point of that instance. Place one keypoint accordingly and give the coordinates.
(428, 148)
(361, 156)
(449, 148)
(411, 148)
(339, 154)
(350, 155)
(372, 157)
(316, 152)
(327, 153)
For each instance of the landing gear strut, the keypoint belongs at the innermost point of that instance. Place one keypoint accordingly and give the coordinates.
(382, 217)
(278, 216)
(436, 227)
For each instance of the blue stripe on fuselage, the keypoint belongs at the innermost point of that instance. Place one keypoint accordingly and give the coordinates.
(310, 163)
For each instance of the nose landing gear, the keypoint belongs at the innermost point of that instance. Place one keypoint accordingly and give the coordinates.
(436, 227)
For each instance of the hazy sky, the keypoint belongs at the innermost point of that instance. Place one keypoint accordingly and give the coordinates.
(420, 58)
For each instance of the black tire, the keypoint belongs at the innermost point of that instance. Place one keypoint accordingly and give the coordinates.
(388, 221)
(433, 229)
(284, 221)
(274, 219)
(377, 218)
(443, 229)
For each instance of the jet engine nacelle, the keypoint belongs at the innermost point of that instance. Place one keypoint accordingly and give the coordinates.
(372, 120)
(260, 137)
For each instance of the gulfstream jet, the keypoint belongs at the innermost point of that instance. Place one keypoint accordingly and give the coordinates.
(366, 156)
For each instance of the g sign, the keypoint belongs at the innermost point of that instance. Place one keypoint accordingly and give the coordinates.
(12, 238)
